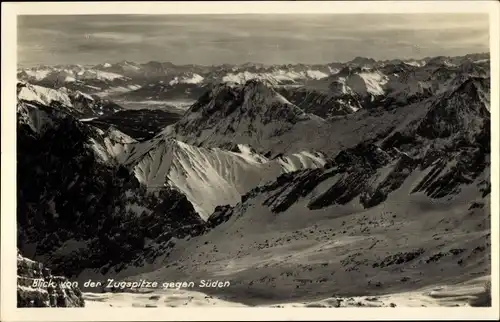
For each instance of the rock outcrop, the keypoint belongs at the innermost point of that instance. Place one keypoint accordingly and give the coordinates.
(37, 287)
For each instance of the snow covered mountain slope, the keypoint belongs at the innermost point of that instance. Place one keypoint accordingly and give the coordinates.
(365, 82)
(208, 177)
(405, 211)
(212, 177)
(42, 95)
(332, 102)
(76, 103)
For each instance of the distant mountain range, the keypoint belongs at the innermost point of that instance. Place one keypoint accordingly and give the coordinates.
(156, 80)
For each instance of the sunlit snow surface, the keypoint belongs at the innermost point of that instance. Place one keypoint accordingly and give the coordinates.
(275, 78)
(73, 73)
(43, 95)
(442, 296)
(192, 79)
(208, 177)
(374, 82)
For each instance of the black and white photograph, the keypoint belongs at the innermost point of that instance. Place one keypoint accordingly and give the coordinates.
(328, 160)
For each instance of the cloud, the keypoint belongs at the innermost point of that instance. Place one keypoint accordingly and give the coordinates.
(217, 39)
(116, 37)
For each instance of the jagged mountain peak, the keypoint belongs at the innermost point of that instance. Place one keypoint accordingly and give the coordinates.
(118, 136)
(253, 114)
(254, 96)
(471, 68)
(399, 68)
(78, 95)
(262, 92)
(474, 93)
(438, 61)
(127, 62)
(257, 85)
(474, 84)
(215, 97)
(153, 63)
(362, 61)
(462, 111)
(348, 70)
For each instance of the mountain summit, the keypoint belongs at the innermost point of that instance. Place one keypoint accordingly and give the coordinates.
(253, 114)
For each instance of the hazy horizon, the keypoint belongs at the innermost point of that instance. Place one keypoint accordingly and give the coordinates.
(239, 39)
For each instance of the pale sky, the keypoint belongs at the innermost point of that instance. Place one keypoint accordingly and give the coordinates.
(269, 39)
